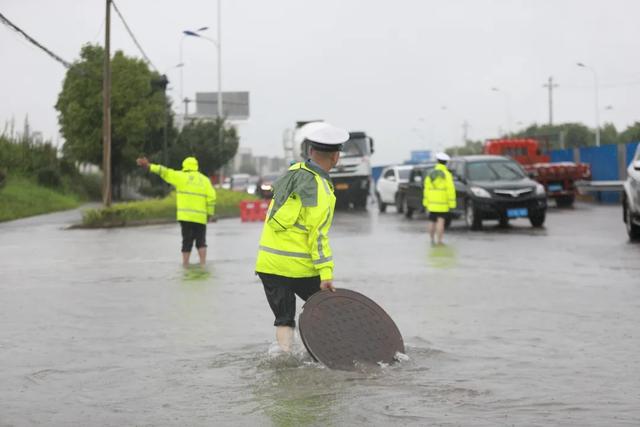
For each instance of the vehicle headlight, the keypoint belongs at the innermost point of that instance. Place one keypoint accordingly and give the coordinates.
(540, 190)
(265, 187)
(480, 192)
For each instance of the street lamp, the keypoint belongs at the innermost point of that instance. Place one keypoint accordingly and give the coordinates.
(597, 108)
(181, 63)
(507, 106)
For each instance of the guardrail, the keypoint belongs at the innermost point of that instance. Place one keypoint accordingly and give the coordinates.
(596, 186)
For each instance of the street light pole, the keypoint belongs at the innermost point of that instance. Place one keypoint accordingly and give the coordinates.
(106, 111)
(508, 107)
(181, 64)
(219, 46)
(596, 90)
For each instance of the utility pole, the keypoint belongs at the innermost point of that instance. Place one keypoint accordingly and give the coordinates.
(186, 110)
(220, 112)
(465, 132)
(550, 85)
(106, 111)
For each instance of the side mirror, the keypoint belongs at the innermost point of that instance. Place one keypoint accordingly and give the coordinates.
(636, 165)
(417, 179)
(371, 145)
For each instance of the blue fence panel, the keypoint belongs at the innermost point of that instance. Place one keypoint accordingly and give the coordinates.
(604, 167)
(565, 155)
(376, 171)
(631, 151)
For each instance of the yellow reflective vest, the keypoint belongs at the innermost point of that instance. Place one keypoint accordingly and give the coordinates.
(439, 190)
(295, 241)
(195, 196)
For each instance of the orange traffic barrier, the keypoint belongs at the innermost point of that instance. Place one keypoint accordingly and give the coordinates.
(251, 210)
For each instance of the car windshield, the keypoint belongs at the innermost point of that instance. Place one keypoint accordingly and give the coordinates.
(240, 182)
(355, 147)
(494, 171)
(271, 177)
(404, 174)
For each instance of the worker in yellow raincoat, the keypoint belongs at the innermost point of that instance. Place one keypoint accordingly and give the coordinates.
(439, 197)
(195, 203)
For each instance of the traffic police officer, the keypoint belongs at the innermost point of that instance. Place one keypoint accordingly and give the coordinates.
(439, 197)
(294, 256)
(195, 202)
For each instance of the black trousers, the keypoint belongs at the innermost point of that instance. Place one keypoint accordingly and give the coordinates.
(281, 294)
(193, 231)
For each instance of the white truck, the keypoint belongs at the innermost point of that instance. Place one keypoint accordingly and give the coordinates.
(352, 175)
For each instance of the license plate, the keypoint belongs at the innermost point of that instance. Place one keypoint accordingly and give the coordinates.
(517, 213)
(555, 187)
(342, 186)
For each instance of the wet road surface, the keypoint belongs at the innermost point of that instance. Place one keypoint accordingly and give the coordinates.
(508, 326)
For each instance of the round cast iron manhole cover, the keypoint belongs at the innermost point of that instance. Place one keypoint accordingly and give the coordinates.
(344, 327)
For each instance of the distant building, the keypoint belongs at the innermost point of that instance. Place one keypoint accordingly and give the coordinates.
(245, 162)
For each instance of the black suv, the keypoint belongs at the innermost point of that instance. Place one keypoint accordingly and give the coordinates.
(631, 198)
(496, 187)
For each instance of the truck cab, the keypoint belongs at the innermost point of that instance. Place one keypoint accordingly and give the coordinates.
(352, 175)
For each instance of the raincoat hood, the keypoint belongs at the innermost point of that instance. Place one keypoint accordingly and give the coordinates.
(190, 164)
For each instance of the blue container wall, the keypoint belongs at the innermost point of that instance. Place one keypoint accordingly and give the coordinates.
(376, 171)
(631, 151)
(562, 155)
(604, 167)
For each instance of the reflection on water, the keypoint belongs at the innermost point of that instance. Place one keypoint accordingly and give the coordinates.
(442, 256)
(195, 273)
(293, 390)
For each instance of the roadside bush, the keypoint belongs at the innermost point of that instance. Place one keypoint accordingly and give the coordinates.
(87, 186)
(158, 210)
(49, 177)
(121, 214)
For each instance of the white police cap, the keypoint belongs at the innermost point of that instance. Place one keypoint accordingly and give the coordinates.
(304, 130)
(326, 137)
(443, 157)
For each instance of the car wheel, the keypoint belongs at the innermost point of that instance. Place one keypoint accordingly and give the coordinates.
(471, 216)
(632, 230)
(408, 212)
(382, 207)
(399, 203)
(537, 219)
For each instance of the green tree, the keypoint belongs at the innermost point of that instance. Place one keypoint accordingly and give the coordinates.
(609, 134)
(138, 111)
(469, 148)
(631, 134)
(202, 140)
(565, 135)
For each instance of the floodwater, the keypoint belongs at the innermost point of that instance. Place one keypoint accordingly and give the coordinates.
(502, 327)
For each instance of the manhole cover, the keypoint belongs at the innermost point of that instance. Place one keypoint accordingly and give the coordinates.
(344, 327)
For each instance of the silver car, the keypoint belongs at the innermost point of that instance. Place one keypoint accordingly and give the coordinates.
(631, 198)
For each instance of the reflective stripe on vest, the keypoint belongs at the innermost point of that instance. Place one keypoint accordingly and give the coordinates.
(284, 253)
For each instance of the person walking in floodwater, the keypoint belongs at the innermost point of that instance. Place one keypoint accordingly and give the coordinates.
(439, 198)
(195, 203)
(294, 256)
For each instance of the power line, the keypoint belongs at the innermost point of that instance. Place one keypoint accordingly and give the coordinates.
(33, 41)
(144, 55)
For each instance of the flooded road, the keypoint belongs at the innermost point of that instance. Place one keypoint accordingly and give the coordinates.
(505, 327)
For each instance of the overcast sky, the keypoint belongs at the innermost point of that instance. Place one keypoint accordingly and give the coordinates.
(407, 72)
